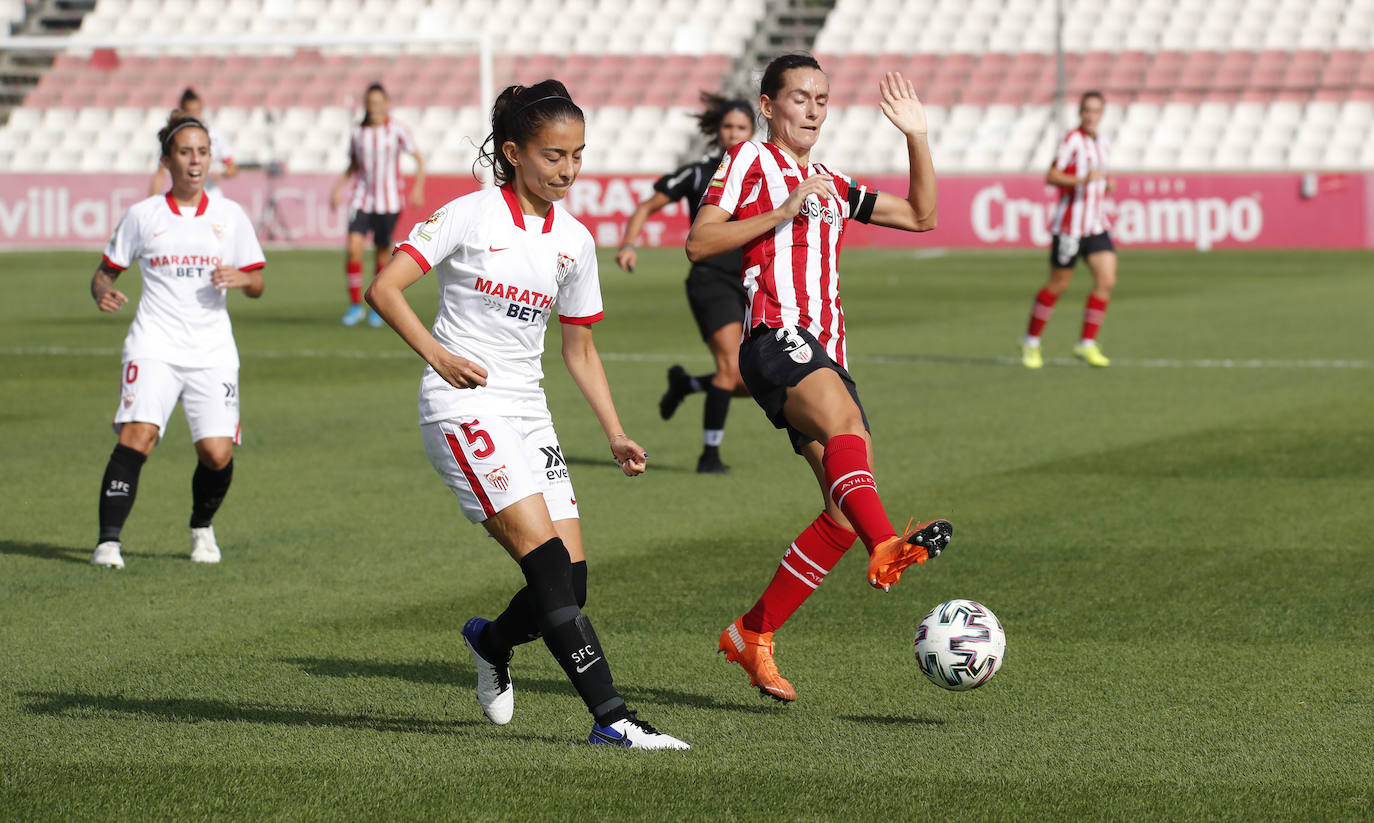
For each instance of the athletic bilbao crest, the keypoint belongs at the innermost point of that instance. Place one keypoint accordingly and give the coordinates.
(498, 479)
(565, 267)
(795, 345)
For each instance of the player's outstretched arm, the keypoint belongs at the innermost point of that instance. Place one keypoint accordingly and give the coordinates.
(417, 190)
(385, 295)
(107, 297)
(626, 258)
(904, 109)
(336, 196)
(584, 364)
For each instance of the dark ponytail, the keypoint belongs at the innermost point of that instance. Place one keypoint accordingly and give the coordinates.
(716, 107)
(178, 121)
(518, 114)
(771, 85)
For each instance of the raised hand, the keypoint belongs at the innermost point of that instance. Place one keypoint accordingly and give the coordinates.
(901, 105)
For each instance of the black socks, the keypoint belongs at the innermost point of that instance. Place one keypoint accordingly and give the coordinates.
(208, 488)
(568, 633)
(518, 624)
(118, 489)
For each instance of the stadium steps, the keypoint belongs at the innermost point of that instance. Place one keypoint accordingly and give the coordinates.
(786, 26)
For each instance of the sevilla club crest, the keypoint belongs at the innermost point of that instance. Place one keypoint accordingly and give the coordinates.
(498, 479)
(565, 268)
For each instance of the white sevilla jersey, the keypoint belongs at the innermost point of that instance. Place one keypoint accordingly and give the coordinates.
(501, 273)
(791, 273)
(1079, 212)
(182, 318)
(376, 151)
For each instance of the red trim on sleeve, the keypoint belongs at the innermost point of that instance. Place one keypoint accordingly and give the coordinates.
(415, 255)
(581, 321)
(110, 263)
(254, 266)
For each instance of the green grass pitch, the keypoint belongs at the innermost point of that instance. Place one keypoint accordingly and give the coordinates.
(1178, 546)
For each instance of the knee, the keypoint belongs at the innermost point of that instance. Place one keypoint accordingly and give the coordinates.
(215, 457)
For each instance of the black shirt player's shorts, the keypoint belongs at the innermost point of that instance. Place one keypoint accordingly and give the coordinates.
(381, 225)
(771, 361)
(717, 298)
(1066, 250)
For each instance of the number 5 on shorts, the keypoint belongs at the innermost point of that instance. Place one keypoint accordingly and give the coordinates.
(476, 435)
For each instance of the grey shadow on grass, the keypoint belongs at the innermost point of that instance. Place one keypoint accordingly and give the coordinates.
(463, 676)
(890, 720)
(198, 710)
(46, 551)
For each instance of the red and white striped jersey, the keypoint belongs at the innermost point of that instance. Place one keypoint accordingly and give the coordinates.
(376, 152)
(1079, 212)
(791, 274)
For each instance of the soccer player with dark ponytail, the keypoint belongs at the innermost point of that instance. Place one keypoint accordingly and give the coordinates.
(714, 290)
(507, 258)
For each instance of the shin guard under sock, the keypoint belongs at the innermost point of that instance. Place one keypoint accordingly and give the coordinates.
(118, 489)
(568, 633)
(208, 488)
(850, 481)
(518, 624)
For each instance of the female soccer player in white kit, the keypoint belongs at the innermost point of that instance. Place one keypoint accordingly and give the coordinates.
(505, 258)
(191, 248)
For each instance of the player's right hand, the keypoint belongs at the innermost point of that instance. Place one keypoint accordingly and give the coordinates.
(335, 200)
(111, 300)
(626, 259)
(820, 185)
(460, 372)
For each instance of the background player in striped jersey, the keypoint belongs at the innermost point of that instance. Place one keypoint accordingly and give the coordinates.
(714, 290)
(505, 257)
(374, 163)
(789, 214)
(191, 248)
(221, 152)
(1079, 228)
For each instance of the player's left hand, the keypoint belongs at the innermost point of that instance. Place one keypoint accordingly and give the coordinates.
(631, 457)
(417, 194)
(228, 277)
(901, 105)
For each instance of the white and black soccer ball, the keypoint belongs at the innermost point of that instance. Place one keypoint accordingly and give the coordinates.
(960, 645)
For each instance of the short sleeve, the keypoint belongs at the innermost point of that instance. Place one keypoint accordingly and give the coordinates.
(248, 254)
(727, 184)
(224, 151)
(858, 198)
(1067, 158)
(579, 293)
(438, 236)
(678, 184)
(125, 243)
(404, 139)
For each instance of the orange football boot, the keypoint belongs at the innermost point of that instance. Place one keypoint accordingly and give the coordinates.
(754, 652)
(891, 557)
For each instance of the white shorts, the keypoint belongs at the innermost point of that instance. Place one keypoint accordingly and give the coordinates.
(150, 389)
(491, 462)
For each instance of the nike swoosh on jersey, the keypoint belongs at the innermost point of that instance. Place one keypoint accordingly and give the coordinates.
(581, 669)
(494, 249)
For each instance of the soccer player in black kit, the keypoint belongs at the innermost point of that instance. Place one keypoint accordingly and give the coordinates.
(715, 288)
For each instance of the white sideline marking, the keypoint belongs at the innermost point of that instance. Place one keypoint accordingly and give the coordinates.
(347, 354)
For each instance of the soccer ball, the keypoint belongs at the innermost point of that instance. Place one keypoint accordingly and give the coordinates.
(960, 645)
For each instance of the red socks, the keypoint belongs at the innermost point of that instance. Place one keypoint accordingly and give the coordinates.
(355, 283)
(849, 479)
(804, 565)
(1092, 316)
(1040, 312)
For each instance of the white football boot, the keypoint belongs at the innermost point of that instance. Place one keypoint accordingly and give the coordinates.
(107, 555)
(633, 733)
(495, 692)
(204, 549)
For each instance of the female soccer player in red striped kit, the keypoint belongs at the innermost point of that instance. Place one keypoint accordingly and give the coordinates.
(1079, 228)
(789, 214)
(374, 159)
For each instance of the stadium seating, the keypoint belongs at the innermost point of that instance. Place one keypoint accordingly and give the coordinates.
(1190, 84)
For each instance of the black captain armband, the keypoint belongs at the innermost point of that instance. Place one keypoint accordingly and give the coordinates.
(861, 203)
